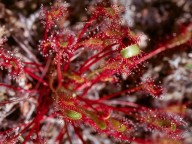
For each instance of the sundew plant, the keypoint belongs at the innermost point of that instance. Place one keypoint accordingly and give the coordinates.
(67, 83)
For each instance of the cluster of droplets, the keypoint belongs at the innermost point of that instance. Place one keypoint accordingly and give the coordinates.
(10, 62)
(48, 47)
(51, 16)
(153, 89)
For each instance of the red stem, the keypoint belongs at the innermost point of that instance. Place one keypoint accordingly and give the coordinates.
(79, 135)
(84, 68)
(59, 71)
(35, 77)
(163, 48)
(132, 90)
(86, 26)
(67, 132)
(61, 135)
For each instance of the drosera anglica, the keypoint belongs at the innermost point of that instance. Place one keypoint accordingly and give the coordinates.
(74, 62)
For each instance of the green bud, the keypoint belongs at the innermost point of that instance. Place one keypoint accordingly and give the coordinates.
(130, 51)
(73, 115)
(117, 125)
(173, 126)
(63, 44)
(110, 11)
(101, 124)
